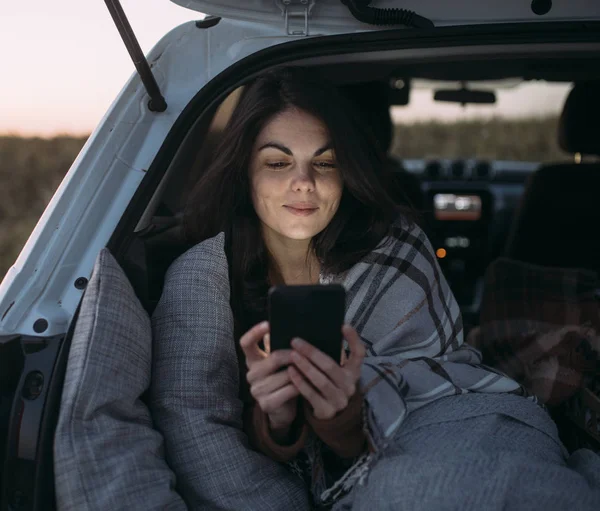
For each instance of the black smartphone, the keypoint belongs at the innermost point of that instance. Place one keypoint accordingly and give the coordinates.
(314, 313)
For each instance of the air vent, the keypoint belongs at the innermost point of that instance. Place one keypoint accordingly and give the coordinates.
(482, 170)
(457, 169)
(433, 170)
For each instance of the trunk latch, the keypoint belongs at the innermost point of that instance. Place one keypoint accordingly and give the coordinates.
(295, 15)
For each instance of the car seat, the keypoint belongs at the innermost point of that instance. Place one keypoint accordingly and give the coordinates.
(540, 315)
(557, 223)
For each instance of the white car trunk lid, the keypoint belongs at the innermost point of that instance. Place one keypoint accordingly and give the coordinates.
(326, 14)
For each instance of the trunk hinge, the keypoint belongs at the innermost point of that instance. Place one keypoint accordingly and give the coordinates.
(157, 102)
(296, 14)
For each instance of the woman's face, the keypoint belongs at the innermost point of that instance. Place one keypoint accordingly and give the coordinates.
(296, 185)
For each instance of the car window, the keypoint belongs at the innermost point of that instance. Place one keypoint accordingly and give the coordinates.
(521, 125)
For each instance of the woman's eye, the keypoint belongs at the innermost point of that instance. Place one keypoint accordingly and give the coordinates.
(325, 165)
(277, 164)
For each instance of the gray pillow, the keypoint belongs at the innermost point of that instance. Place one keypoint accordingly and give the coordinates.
(195, 393)
(106, 453)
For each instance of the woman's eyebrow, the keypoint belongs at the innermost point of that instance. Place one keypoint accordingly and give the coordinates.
(286, 150)
(275, 145)
(323, 149)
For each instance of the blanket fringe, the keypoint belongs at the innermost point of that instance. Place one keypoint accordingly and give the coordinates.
(356, 475)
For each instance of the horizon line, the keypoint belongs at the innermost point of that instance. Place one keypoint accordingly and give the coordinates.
(86, 134)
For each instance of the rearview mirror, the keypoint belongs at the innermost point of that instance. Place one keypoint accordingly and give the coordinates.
(465, 96)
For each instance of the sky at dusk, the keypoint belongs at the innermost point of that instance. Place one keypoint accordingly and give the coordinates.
(63, 63)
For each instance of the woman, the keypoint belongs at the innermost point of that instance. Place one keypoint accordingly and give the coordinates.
(311, 203)
(297, 189)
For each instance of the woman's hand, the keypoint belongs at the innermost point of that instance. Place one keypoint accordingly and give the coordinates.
(272, 389)
(325, 384)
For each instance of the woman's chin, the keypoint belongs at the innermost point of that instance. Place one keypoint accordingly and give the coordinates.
(300, 233)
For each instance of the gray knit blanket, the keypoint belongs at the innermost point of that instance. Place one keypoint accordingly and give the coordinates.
(402, 307)
(474, 452)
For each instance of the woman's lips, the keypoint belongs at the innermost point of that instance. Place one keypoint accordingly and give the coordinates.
(301, 211)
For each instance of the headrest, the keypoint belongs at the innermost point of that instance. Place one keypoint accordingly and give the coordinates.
(555, 222)
(580, 120)
(372, 99)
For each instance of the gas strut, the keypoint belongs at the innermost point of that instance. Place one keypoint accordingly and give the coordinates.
(157, 102)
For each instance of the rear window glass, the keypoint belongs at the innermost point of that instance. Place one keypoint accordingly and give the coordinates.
(521, 125)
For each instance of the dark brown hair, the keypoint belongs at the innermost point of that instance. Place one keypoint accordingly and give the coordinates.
(221, 200)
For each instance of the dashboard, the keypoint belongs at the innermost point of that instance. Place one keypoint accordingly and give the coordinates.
(469, 206)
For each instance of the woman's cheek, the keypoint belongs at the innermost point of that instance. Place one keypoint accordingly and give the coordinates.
(334, 186)
(264, 193)
(266, 185)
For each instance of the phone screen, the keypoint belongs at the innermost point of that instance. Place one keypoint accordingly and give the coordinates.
(313, 313)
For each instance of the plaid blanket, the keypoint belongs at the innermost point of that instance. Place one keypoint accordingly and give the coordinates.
(541, 326)
(402, 307)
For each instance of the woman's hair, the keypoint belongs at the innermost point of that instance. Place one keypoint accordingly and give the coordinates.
(222, 198)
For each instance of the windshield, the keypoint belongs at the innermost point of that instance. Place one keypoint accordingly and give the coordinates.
(521, 125)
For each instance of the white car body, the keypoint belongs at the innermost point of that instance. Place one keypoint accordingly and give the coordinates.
(100, 184)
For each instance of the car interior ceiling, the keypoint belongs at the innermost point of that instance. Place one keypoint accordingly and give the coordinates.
(158, 238)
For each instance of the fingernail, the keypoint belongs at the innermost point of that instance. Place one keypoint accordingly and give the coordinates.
(297, 342)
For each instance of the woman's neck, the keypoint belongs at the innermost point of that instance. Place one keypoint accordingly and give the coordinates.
(292, 261)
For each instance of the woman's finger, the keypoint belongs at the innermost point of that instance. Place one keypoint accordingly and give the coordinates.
(270, 384)
(357, 347)
(259, 370)
(321, 408)
(272, 402)
(335, 396)
(267, 343)
(249, 342)
(343, 357)
(323, 362)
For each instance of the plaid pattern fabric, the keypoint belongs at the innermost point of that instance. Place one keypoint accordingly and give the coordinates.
(404, 310)
(541, 326)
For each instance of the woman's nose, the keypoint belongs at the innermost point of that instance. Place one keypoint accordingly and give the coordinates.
(303, 178)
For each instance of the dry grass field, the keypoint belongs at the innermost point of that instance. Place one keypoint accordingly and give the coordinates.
(522, 140)
(32, 168)
(30, 171)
